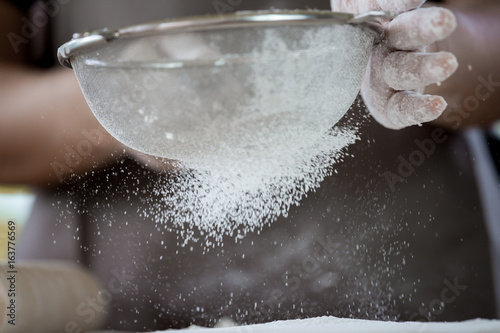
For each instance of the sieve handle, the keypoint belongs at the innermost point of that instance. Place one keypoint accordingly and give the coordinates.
(371, 19)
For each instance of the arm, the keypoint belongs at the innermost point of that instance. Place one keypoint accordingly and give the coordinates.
(43, 116)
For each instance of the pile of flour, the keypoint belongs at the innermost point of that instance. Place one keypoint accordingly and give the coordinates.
(341, 325)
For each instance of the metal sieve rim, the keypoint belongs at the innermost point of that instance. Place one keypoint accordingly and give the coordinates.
(86, 39)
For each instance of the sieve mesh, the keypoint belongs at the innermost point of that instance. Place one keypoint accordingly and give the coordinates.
(195, 96)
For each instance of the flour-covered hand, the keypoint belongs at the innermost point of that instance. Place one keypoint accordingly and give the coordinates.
(401, 66)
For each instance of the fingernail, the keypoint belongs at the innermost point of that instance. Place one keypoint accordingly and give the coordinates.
(441, 66)
(436, 105)
(441, 23)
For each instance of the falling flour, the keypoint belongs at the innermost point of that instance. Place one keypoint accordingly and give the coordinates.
(245, 197)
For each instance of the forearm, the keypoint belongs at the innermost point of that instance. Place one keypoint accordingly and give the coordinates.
(473, 92)
(47, 131)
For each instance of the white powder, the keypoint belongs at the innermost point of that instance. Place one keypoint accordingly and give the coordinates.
(244, 197)
(345, 325)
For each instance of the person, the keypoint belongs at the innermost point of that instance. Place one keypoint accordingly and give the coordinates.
(382, 240)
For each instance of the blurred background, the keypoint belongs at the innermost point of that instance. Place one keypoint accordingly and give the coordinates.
(15, 205)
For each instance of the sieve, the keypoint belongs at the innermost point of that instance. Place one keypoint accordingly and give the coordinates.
(195, 88)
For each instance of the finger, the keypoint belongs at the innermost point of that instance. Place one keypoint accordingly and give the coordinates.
(416, 29)
(409, 108)
(409, 70)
